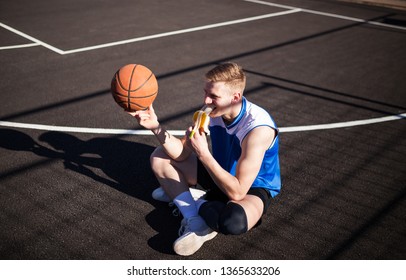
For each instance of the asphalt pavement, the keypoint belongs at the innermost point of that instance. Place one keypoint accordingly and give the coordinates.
(75, 181)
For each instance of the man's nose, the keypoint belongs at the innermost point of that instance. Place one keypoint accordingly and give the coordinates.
(207, 100)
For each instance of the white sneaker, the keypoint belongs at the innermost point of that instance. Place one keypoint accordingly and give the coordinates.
(160, 195)
(193, 233)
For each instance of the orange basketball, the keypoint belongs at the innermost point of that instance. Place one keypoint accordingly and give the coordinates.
(134, 87)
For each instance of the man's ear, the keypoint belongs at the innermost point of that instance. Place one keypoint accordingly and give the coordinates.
(236, 97)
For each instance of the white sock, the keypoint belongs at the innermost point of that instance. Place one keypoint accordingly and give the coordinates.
(186, 204)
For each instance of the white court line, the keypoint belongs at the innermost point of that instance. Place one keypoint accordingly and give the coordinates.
(187, 30)
(19, 46)
(149, 37)
(327, 14)
(22, 34)
(182, 132)
(84, 129)
(343, 124)
(290, 10)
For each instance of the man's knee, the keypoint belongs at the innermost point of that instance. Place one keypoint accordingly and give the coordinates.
(157, 158)
(233, 219)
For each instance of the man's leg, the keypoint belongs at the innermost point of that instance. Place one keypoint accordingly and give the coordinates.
(235, 217)
(253, 207)
(175, 178)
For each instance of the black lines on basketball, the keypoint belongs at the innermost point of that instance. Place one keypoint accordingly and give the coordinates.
(134, 87)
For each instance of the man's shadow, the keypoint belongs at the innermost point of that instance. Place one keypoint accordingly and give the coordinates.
(123, 162)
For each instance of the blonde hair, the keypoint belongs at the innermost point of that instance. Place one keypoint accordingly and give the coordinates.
(230, 73)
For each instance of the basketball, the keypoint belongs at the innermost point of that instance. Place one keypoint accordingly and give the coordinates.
(134, 87)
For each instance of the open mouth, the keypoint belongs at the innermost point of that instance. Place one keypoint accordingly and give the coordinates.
(212, 111)
(208, 109)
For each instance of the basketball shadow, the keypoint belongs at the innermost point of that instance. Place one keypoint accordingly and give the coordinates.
(123, 162)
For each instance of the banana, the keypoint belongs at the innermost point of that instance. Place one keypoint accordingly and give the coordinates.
(201, 120)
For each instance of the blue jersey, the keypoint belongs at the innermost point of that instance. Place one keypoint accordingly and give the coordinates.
(227, 140)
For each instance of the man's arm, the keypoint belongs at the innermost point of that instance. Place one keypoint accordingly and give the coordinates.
(254, 147)
(173, 146)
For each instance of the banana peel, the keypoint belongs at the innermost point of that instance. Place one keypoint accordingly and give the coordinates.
(201, 120)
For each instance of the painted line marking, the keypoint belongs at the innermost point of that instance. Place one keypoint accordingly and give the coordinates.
(84, 129)
(271, 4)
(22, 34)
(290, 10)
(182, 31)
(343, 124)
(149, 37)
(327, 14)
(19, 46)
(182, 132)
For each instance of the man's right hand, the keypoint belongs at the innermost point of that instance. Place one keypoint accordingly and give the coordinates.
(147, 118)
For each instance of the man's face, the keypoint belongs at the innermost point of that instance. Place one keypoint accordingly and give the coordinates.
(217, 96)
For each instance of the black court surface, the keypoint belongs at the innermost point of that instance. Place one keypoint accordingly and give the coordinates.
(75, 181)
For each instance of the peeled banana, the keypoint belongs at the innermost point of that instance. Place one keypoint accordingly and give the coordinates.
(201, 120)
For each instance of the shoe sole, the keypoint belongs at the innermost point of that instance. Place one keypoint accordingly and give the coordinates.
(188, 244)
